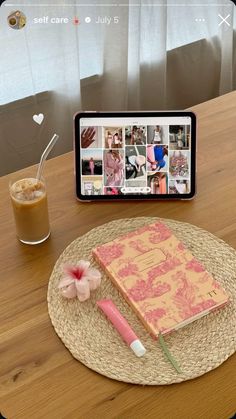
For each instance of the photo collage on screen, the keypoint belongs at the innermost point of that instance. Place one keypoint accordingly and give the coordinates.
(135, 159)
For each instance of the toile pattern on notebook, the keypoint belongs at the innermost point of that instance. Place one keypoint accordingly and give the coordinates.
(159, 277)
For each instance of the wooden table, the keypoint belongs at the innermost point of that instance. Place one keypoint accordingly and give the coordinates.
(38, 376)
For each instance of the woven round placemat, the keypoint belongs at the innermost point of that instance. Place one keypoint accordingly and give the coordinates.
(199, 347)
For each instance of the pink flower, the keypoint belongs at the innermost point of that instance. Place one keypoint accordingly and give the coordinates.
(79, 280)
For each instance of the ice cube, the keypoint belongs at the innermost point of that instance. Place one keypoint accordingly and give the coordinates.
(37, 194)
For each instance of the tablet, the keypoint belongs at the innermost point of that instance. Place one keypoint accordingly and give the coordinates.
(135, 155)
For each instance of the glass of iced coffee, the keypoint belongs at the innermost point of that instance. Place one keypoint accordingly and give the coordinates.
(30, 206)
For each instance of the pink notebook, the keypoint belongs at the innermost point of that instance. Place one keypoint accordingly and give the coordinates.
(158, 276)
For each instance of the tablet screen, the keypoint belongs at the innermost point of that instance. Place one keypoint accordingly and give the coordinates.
(136, 156)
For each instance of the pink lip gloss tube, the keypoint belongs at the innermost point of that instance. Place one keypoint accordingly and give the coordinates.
(122, 326)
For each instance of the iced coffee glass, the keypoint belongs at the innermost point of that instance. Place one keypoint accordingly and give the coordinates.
(30, 207)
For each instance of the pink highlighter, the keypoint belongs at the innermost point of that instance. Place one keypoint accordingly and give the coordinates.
(122, 326)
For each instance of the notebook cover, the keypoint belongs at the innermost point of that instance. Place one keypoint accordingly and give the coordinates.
(159, 277)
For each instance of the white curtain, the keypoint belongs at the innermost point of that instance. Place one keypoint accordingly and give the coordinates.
(153, 55)
(147, 35)
(39, 73)
(203, 69)
(168, 56)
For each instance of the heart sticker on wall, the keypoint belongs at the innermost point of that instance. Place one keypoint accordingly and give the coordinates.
(38, 118)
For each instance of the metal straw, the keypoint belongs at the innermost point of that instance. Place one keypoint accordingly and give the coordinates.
(45, 154)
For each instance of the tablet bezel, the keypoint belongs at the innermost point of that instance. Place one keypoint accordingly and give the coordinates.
(77, 150)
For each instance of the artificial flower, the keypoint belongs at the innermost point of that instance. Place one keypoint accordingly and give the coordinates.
(79, 280)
